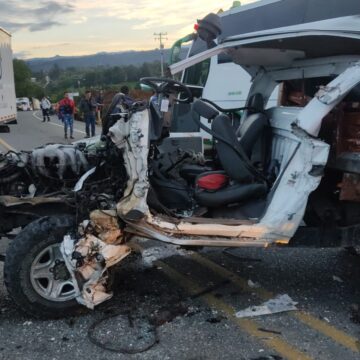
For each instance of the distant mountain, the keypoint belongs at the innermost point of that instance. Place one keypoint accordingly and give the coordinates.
(136, 58)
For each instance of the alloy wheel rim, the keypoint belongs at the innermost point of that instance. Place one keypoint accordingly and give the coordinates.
(49, 276)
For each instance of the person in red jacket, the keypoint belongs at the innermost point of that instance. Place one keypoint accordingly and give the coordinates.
(66, 113)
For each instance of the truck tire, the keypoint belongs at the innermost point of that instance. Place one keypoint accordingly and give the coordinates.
(35, 274)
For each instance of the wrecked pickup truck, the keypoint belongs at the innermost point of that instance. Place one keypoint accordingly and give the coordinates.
(287, 175)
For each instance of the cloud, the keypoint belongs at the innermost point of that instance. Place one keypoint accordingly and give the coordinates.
(80, 20)
(107, 25)
(33, 16)
(51, 45)
(51, 8)
(150, 14)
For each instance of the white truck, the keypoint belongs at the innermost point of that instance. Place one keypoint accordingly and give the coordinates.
(7, 84)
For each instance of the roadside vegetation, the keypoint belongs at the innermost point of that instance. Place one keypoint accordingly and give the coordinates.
(25, 86)
(54, 82)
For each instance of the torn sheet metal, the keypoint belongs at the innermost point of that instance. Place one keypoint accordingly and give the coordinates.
(105, 223)
(79, 185)
(310, 118)
(281, 303)
(133, 137)
(89, 258)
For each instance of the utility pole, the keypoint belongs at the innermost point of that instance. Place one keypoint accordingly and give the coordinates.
(161, 36)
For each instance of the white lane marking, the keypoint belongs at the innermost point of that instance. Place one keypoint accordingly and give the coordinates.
(62, 126)
(52, 123)
(6, 145)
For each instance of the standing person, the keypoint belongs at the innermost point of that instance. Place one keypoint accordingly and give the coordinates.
(66, 112)
(100, 106)
(127, 99)
(88, 107)
(45, 105)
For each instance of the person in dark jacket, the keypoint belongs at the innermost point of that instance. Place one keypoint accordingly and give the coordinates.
(100, 106)
(88, 107)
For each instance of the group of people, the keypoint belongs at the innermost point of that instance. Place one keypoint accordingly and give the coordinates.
(89, 105)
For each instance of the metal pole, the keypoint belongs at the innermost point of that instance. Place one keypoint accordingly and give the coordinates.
(160, 36)
(162, 59)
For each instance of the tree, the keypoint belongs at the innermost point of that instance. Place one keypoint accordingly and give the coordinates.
(24, 87)
(55, 72)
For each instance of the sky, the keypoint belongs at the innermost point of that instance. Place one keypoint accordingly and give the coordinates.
(46, 28)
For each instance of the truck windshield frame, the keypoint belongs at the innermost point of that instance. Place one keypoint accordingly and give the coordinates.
(197, 74)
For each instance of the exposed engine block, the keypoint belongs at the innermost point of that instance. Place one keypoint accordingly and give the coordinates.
(41, 168)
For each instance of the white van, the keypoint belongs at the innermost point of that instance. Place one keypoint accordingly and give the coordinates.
(23, 104)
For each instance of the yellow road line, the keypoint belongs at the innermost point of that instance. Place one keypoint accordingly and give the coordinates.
(6, 145)
(337, 335)
(249, 326)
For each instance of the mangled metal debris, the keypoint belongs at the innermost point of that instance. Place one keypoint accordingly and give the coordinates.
(280, 303)
(88, 259)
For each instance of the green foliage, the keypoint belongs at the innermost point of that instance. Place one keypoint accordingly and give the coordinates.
(107, 78)
(55, 72)
(24, 87)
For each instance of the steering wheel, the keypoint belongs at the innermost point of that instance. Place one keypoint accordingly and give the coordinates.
(165, 85)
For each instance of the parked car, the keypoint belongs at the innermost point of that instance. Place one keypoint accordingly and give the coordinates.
(23, 104)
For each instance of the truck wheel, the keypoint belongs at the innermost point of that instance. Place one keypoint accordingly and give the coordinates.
(35, 273)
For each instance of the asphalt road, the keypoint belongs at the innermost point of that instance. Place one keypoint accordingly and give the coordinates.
(189, 299)
(31, 132)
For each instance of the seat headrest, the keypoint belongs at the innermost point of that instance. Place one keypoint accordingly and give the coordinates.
(204, 110)
(256, 102)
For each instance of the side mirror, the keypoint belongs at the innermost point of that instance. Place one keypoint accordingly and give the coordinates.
(209, 28)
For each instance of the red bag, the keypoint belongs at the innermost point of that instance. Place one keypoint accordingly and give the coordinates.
(213, 181)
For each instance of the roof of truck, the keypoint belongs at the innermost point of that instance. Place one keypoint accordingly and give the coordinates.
(272, 14)
(281, 47)
(3, 30)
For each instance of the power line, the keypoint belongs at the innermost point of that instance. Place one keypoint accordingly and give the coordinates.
(161, 36)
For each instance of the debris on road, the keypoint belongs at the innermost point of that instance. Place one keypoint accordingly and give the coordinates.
(270, 331)
(253, 285)
(336, 278)
(281, 303)
(155, 253)
(215, 319)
